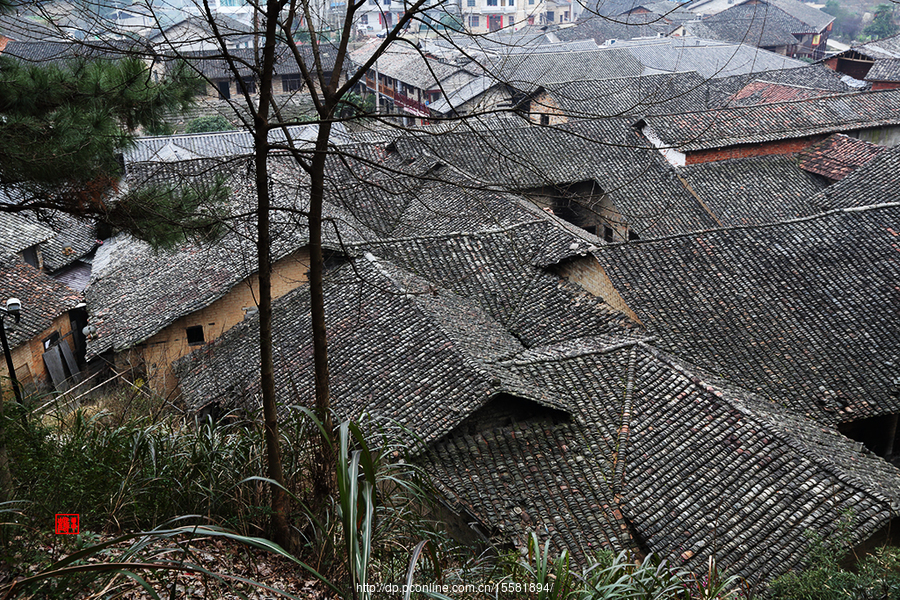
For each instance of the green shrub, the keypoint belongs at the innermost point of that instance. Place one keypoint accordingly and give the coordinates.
(875, 577)
(208, 124)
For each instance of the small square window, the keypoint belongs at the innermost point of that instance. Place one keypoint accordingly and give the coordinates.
(50, 341)
(474, 21)
(194, 335)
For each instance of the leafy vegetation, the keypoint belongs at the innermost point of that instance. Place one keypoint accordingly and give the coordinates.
(208, 124)
(847, 23)
(883, 24)
(877, 576)
(61, 127)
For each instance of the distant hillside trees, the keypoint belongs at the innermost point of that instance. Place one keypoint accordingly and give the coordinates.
(847, 24)
(884, 24)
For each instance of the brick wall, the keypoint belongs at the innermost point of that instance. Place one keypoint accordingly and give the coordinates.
(153, 358)
(544, 105)
(28, 358)
(746, 151)
(587, 272)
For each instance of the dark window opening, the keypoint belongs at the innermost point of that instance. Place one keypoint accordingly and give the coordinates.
(224, 91)
(591, 229)
(194, 335)
(545, 119)
(52, 340)
(294, 83)
(878, 434)
(632, 236)
(30, 256)
(247, 85)
(607, 234)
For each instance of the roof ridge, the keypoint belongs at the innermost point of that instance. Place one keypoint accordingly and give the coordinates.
(824, 214)
(487, 369)
(608, 349)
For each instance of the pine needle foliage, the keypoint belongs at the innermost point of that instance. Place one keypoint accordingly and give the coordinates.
(63, 128)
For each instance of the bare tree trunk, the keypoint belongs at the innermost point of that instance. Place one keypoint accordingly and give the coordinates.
(323, 476)
(280, 507)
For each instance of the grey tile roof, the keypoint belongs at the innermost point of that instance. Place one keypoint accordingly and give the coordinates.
(885, 69)
(654, 199)
(63, 52)
(602, 29)
(441, 361)
(814, 19)
(665, 93)
(754, 124)
(232, 30)
(212, 65)
(545, 410)
(407, 65)
(43, 299)
(750, 191)
(527, 70)
(837, 156)
(809, 76)
(20, 231)
(710, 59)
(711, 469)
(455, 99)
(801, 312)
(888, 47)
(367, 198)
(73, 239)
(873, 183)
(588, 439)
(745, 24)
(220, 144)
(135, 292)
(519, 470)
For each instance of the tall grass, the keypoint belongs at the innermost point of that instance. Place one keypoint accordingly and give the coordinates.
(141, 473)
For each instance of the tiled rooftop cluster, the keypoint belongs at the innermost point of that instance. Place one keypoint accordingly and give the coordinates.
(440, 362)
(751, 191)
(763, 24)
(18, 232)
(655, 199)
(136, 291)
(711, 59)
(791, 311)
(526, 70)
(664, 93)
(592, 440)
(803, 118)
(768, 475)
(886, 56)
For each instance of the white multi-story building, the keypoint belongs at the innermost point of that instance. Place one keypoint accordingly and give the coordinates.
(480, 16)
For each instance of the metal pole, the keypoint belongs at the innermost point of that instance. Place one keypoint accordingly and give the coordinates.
(9, 362)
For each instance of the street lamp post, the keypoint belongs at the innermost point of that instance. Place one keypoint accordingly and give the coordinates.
(12, 308)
